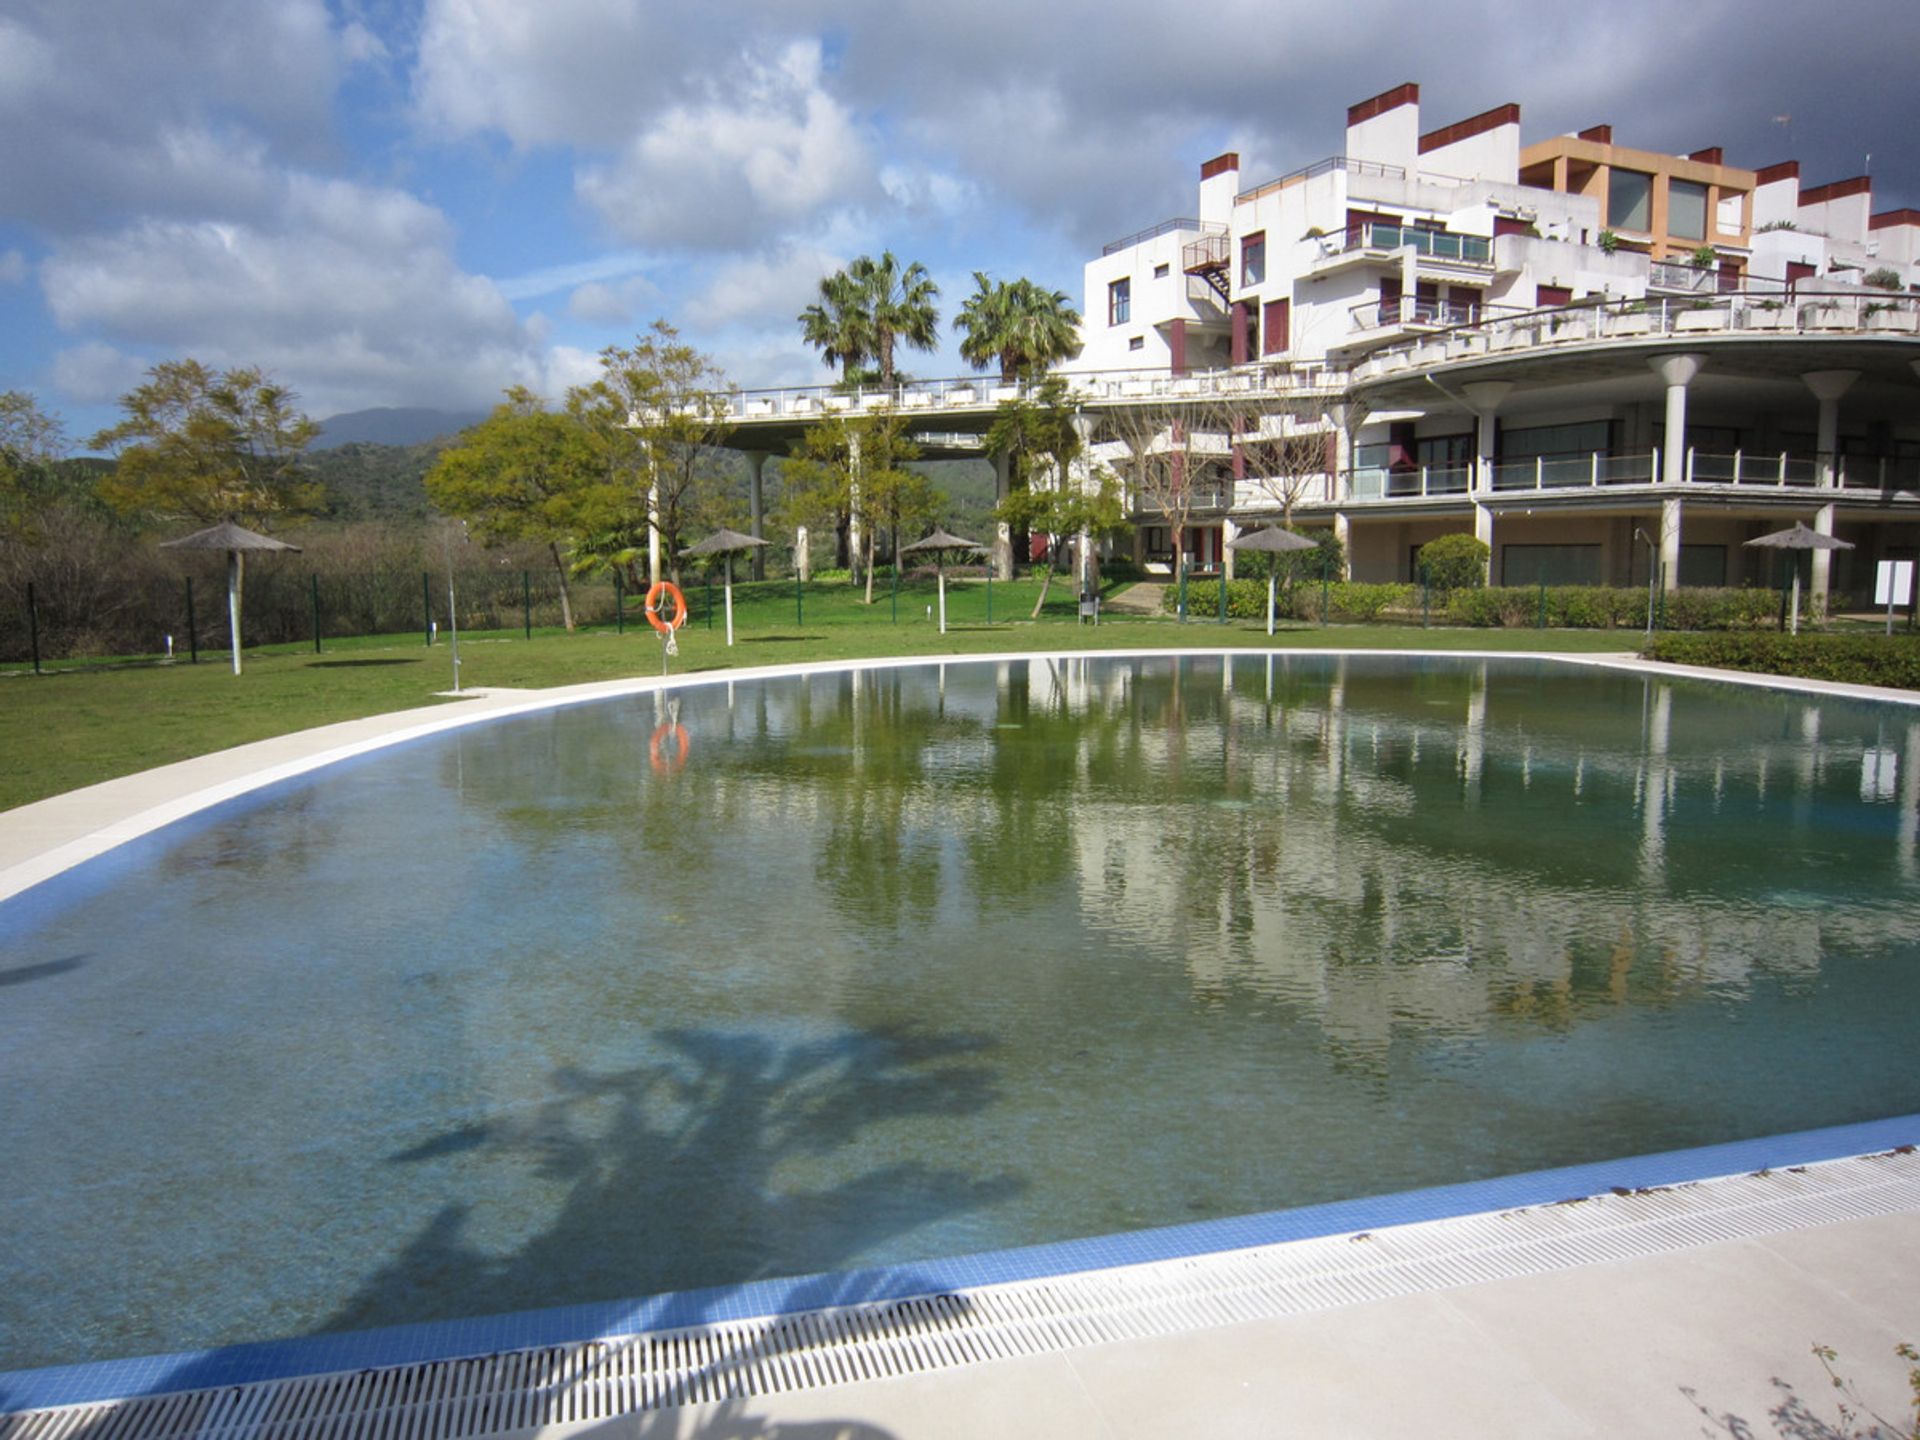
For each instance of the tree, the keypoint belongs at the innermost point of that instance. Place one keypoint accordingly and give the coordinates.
(652, 420)
(1024, 328)
(841, 458)
(1455, 562)
(1178, 458)
(206, 445)
(523, 473)
(837, 325)
(1289, 460)
(32, 443)
(895, 306)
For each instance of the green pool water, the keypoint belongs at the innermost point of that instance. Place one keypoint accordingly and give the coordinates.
(926, 960)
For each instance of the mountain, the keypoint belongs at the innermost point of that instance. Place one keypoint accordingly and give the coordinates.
(393, 426)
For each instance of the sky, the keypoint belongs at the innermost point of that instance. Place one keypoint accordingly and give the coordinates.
(422, 202)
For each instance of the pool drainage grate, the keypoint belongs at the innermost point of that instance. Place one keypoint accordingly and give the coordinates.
(602, 1379)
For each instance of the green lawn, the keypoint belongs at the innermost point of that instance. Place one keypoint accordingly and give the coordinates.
(73, 727)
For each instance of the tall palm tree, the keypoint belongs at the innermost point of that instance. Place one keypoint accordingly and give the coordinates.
(898, 304)
(838, 324)
(1025, 328)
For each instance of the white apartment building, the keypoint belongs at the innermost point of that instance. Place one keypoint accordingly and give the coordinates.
(1597, 358)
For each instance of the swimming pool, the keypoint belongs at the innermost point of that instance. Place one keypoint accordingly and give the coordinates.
(928, 960)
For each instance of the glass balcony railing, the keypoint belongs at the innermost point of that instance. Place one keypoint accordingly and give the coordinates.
(1439, 244)
(1384, 313)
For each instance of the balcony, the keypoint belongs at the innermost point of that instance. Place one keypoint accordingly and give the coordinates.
(1412, 314)
(1178, 225)
(1441, 252)
(1429, 482)
(1668, 279)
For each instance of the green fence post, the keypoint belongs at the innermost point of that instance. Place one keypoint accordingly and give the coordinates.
(526, 600)
(799, 600)
(619, 602)
(1223, 594)
(1326, 584)
(426, 605)
(33, 627)
(193, 638)
(989, 592)
(316, 612)
(1182, 605)
(1543, 604)
(896, 589)
(1426, 597)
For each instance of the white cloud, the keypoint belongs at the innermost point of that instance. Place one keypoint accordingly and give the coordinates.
(773, 288)
(551, 279)
(350, 293)
(766, 148)
(616, 304)
(96, 373)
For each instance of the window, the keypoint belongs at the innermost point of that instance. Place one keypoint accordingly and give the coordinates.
(1160, 272)
(1630, 200)
(1120, 301)
(1138, 342)
(1253, 260)
(1686, 210)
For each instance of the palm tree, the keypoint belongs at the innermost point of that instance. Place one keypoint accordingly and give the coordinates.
(898, 306)
(1025, 328)
(837, 324)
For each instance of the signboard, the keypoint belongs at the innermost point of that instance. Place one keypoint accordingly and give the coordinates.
(1894, 584)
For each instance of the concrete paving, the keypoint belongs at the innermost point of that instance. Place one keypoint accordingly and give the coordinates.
(1713, 1341)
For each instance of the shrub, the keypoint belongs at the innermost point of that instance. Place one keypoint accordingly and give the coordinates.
(1892, 660)
(1600, 607)
(1455, 562)
(1885, 277)
(1246, 599)
(1352, 603)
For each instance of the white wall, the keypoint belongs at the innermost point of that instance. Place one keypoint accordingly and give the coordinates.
(1491, 155)
(1389, 139)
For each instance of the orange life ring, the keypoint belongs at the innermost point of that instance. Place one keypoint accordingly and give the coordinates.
(656, 756)
(666, 627)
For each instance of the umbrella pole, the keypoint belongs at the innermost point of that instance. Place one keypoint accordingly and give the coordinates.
(1269, 604)
(1796, 596)
(234, 564)
(729, 602)
(943, 599)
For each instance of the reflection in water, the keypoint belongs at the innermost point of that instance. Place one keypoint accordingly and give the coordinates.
(894, 963)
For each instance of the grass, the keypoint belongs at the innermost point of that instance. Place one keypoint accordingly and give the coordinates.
(77, 726)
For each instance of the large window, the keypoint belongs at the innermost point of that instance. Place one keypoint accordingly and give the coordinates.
(1630, 200)
(1120, 301)
(1686, 210)
(1253, 260)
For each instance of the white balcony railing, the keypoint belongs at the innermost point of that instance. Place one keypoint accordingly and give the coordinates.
(1588, 471)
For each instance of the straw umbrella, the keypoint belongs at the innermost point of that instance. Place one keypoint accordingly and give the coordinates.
(235, 541)
(1274, 540)
(726, 543)
(1796, 539)
(942, 543)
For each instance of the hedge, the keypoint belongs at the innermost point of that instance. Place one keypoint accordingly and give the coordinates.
(1247, 600)
(1599, 607)
(1892, 660)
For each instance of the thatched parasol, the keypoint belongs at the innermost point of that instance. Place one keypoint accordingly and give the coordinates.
(1796, 538)
(1276, 540)
(726, 543)
(943, 543)
(234, 540)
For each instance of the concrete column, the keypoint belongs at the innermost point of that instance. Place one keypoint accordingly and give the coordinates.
(1670, 542)
(1484, 396)
(1678, 372)
(1483, 532)
(1343, 532)
(756, 508)
(1229, 532)
(1827, 387)
(1002, 547)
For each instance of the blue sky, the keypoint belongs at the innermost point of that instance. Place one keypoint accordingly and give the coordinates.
(420, 202)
